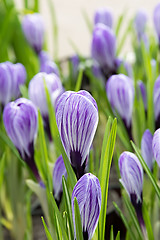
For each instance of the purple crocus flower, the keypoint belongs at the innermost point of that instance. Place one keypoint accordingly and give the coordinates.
(104, 15)
(58, 172)
(77, 119)
(37, 94)
(103, 48)
(120, 93)
(33, 28)
(46, 64)
(97, 72)
(20, 121)
(146, 148)
(156, 99)
(155, 146)
(156, 20)
(75, 65)
(143, 92)
(88, 194)
(140, 23)
(5, 84)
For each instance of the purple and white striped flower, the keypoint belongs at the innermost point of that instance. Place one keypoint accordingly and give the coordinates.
(120, 93)
(58, 171)
(156, 146)
(33, 28)
(104, 15)
(77, 120)
(140, 23)
(46, 64)
(20, 121)
(131, 176)
(156, 20)
(143, 92)
(103, 48)
(88, 194)
(156, 99)
(146, 148)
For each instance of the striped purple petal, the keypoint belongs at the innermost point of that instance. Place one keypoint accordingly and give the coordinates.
(88, 194)
(156, 20)
(120, 93)
(5, 84)
(146, 148)
(156, 146)
(58, 171)
(131, 175)
(104, 15)
(156, 99)
(77, 119)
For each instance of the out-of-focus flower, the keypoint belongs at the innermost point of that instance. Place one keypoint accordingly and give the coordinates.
(88, 194)
(77, 119)
(46, 64)
(155, 146)
(120, 93)
(156, 99)
(58, 172)
(156, 20)
(103, 48)
(96, 70)
(37, 94)
(33, 28)
(131, 176)
(146, 148)
(143, 92)
(75, 61)
(104, 15)
(140, 22)
(20, 121)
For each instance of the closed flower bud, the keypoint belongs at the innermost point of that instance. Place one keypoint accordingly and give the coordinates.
(46, 64)
(131, 176)
(75, 61)
(77, 119)
(140, 23)
(155, 146)
(104, 15)
(143, 92)
(58, 172)
(20, 121)
(103, 47)
(156, 99)
(146, 148)
(33, 28)
(88, 194)
(156, 20)
(120, 93)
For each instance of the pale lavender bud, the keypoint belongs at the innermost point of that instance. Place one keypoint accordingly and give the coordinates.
(146, 148)
(104, 15)
(19, 77)
(156, 20)
(58, 172)
(5, 84)
(155, 146)
(97, 72)
(33, 28)
(143, 92)
(88, 194)
(131, 176)
(46, 64)
(140, 22)
(77, 119)
(75, 65)
(120, 93)
(103, 48)
(20, 121)
(156, 99)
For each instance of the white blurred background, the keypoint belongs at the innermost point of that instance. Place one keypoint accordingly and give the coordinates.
(71, 23)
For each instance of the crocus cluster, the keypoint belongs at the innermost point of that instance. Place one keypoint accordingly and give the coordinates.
(11, 77)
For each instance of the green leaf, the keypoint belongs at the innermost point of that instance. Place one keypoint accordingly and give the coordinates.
(79, 80)
(87, 21)
(147, 222)
(104, 174)
(118, 236)
(2, 167)
(79, 234)
(46, 230)
(144, 165)
(111, 233)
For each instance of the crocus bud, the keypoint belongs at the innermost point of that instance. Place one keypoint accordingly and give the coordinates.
(77, 119)
(156, 20)
(37, 93)
(88, 194)
(103, 48)
(58, 172)
(143, 92)
(104, 15)
(46, 65)
(33, 28)
(120, 93)
(146, 148)
(140, 23)
(156, 99)
(75, 65)
(5, 84)
(96, 70)
(20, 121)
(155, 146)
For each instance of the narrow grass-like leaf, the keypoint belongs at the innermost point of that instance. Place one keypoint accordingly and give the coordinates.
(2, 165)
(144, 165)
(79, 234)
(79, 80)
(119, 24)
(118, 236)
(87, 21)
(104, 178)
(49, 237)
(111, 233)
(147, 222)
